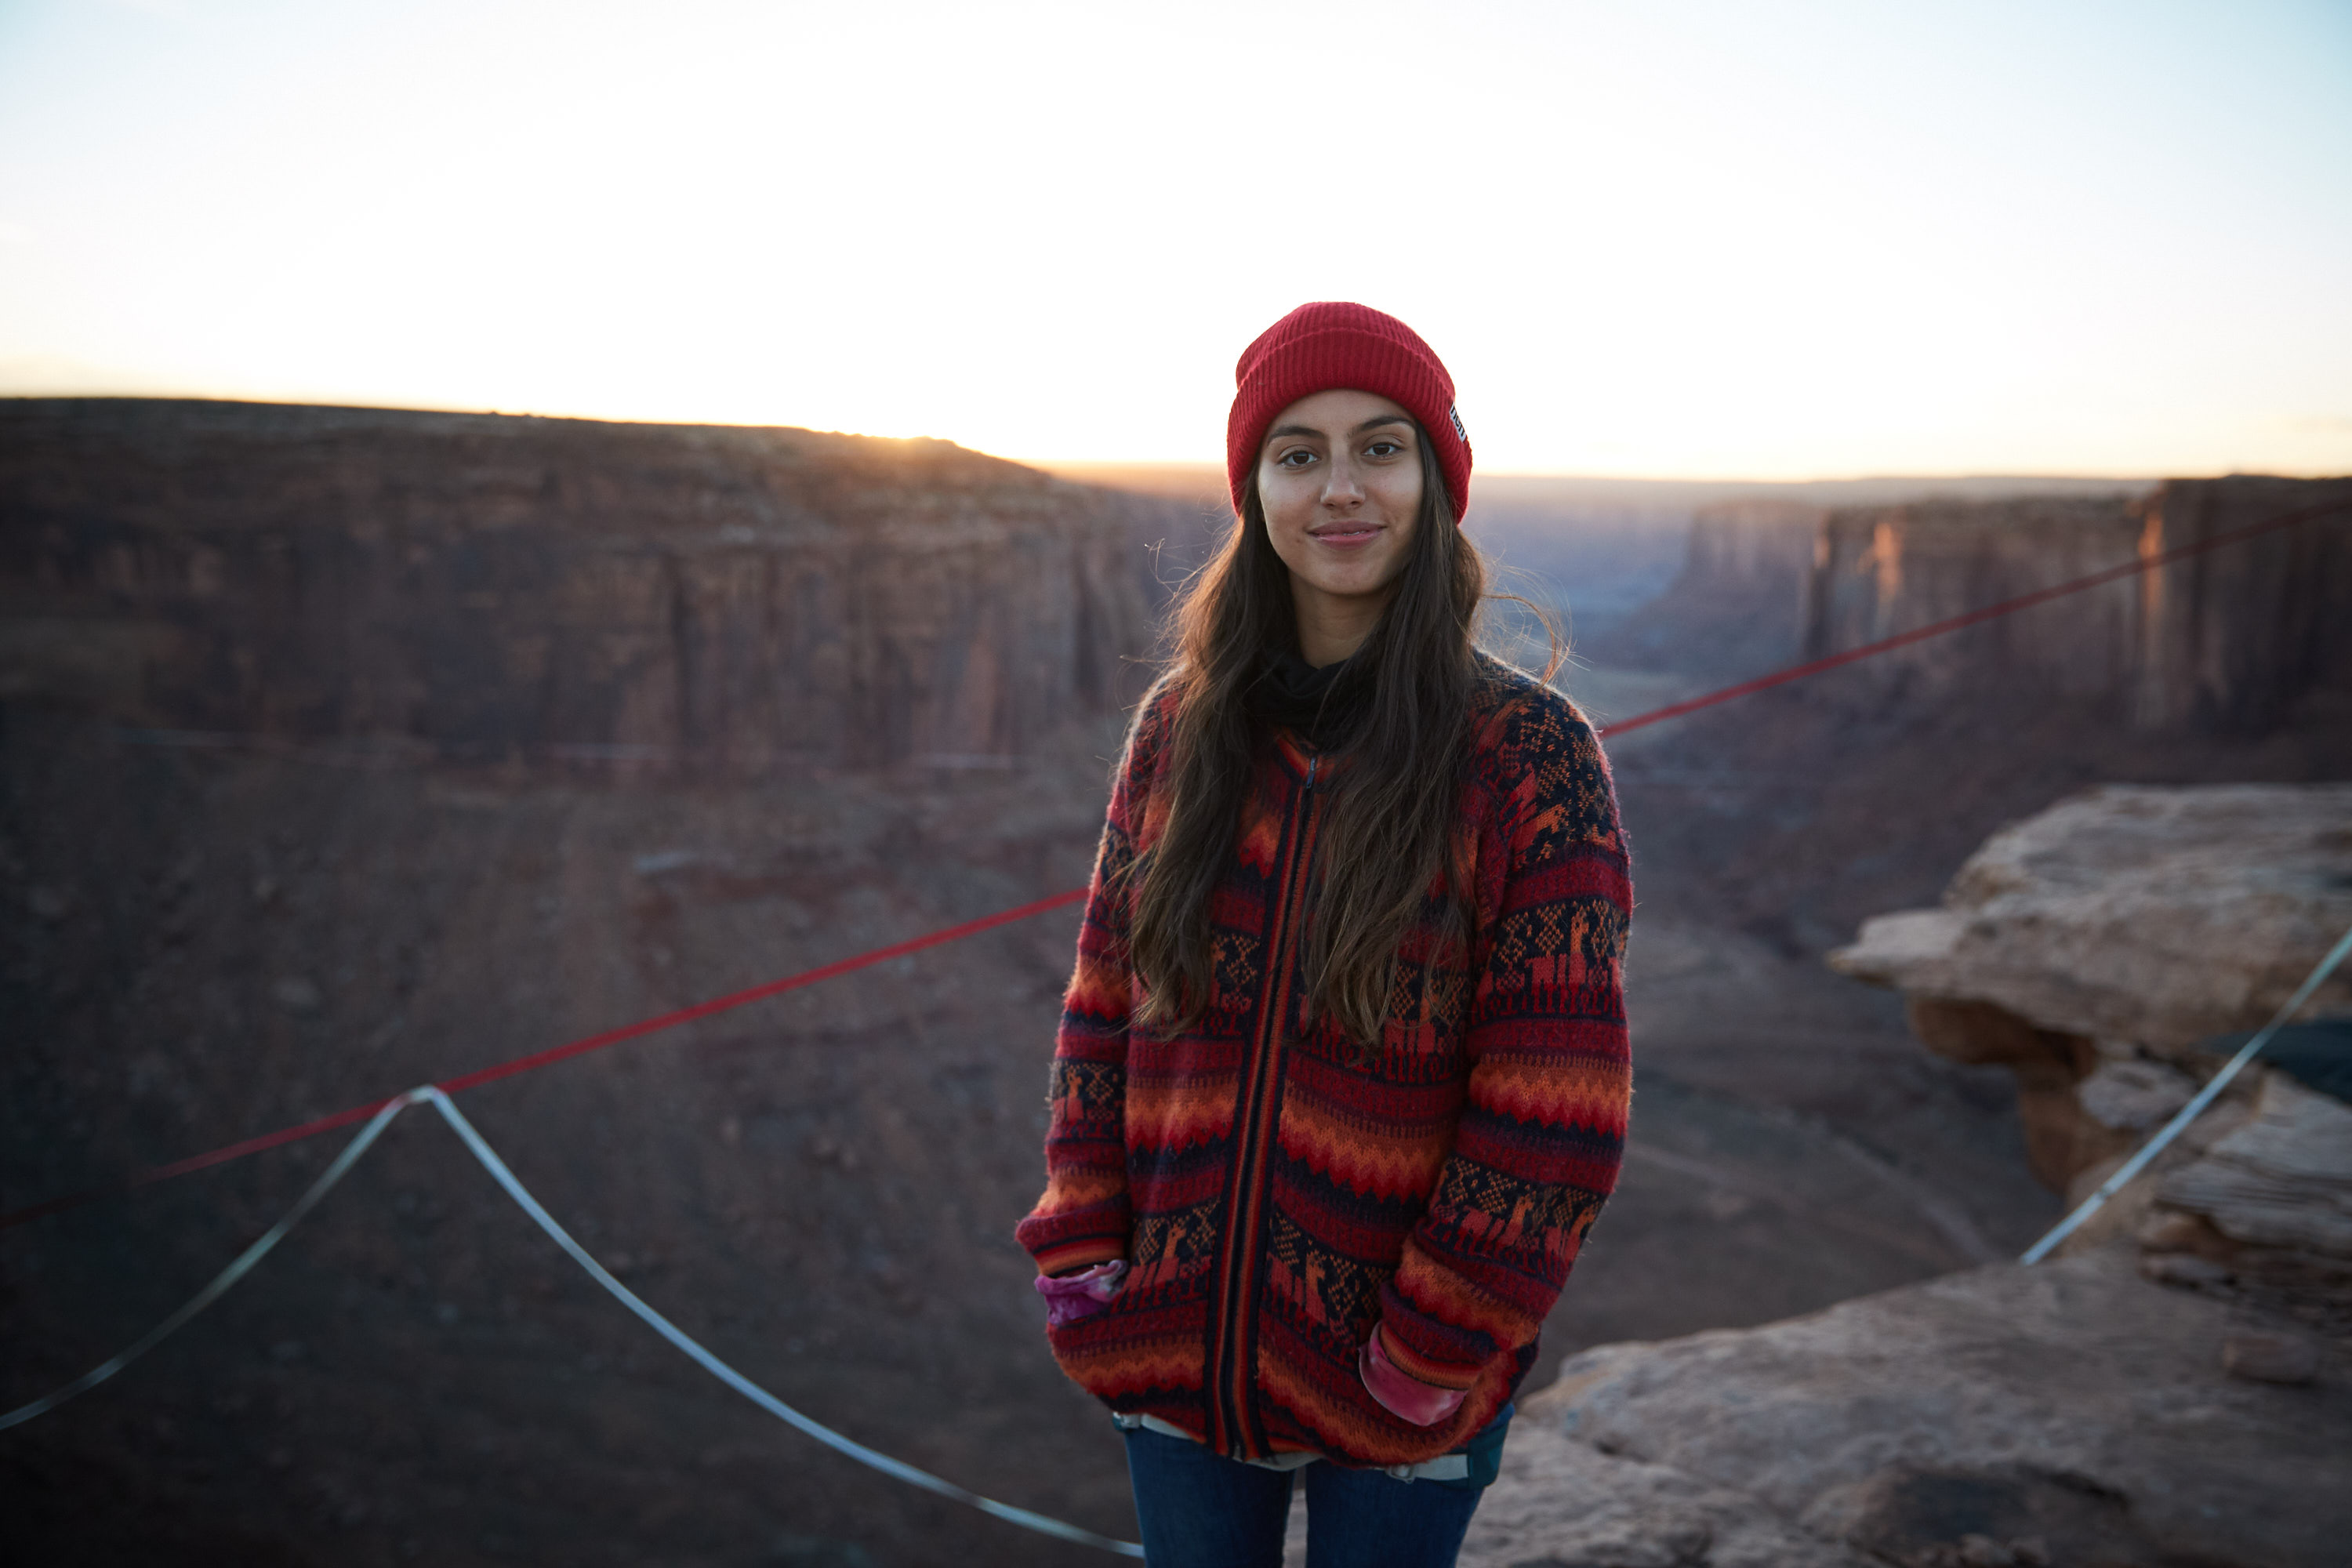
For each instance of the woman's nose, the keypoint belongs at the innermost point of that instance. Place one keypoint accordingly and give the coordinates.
(1339, 486)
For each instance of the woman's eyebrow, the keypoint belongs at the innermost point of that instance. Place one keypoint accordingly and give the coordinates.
(1308, 430)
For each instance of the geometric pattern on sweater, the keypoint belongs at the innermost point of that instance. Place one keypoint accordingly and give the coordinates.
(1281, 1193)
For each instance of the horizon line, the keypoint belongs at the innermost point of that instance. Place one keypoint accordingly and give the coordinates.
(1208, 468)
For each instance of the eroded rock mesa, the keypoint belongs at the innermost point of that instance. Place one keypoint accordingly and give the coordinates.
(2226, 638)
(721, 602)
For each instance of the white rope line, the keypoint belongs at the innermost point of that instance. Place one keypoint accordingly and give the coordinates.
(896, 1469)
(2188, 1112)
(245, 1261)
(228, 1276)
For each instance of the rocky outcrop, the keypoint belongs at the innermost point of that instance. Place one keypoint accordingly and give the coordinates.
(2229, 639)
(1560, 1503)
(2095, 948)
(2075, 1412)
(2264, 1209)
(2110, 952)
(2069, 1414)
(2284, 1179)
(713, 601)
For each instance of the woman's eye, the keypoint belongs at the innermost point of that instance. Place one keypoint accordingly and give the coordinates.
(1383, 450)
(1295, 459)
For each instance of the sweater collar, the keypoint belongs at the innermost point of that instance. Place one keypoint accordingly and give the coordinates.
(1321, 707)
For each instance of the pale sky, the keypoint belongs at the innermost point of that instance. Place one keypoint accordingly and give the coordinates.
(1670, 239)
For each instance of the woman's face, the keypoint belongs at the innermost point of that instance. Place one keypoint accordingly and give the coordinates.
(1339, 477)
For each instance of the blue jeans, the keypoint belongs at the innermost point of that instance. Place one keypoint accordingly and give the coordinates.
(1201, 1509)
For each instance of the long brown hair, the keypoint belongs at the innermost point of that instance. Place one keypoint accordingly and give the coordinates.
(1393, 805)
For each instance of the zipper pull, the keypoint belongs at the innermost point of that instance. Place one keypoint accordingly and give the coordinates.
(1314, 760)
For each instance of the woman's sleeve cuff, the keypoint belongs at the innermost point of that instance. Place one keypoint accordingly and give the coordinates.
(1079, 1252)
(1407, 1398)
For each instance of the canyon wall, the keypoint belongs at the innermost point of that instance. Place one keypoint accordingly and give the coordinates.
(341, 750)
(2226, 638)
(2229, 636)
(1738, 602)
(713, 601)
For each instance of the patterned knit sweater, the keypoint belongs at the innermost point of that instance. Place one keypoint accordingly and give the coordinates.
(1280, 1193)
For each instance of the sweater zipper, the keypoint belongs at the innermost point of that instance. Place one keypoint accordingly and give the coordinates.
(1235, 1364)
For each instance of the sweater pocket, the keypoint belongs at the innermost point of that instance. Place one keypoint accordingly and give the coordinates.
(1139, 1343)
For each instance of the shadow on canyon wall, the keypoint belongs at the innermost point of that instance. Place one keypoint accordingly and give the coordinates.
(346, 749)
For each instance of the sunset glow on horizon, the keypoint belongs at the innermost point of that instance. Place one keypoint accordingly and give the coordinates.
(1673, 241)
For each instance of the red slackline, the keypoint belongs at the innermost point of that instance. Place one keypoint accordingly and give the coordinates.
(548, 1057)
(554, 1054)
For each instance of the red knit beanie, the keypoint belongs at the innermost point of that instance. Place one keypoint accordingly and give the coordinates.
(1321, 346)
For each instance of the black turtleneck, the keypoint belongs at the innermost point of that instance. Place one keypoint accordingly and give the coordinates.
(1321, 705)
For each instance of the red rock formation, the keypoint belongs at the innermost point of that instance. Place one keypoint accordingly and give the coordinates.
(2226, 639)
(2229, 638)
(198, 944)
(1881, 571)
(720, 601)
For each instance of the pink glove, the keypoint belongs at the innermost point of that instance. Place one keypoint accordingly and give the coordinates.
(1406, 1398)
(1071, 1296)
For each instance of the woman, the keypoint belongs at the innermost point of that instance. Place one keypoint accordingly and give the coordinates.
(1342, 1076)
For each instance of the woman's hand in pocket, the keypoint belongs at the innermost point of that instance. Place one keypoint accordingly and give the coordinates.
(1070, 1297)
(1406, 1397)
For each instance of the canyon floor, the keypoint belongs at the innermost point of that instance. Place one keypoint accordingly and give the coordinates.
(213, 944)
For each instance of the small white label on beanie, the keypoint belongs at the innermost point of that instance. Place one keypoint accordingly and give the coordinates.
(1459, 430)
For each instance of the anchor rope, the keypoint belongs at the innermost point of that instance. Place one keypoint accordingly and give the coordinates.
(2191, 1111)
(433, 1095)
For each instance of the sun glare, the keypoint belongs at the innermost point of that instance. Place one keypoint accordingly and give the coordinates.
(1687, 240)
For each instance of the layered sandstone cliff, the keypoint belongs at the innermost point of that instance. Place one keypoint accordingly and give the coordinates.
(721, 602)
(2227, 638)
(598, 676)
